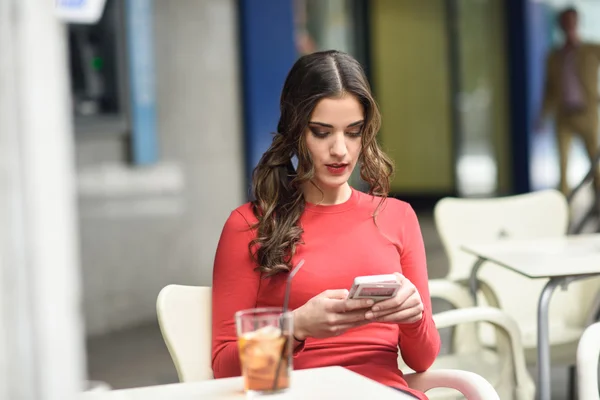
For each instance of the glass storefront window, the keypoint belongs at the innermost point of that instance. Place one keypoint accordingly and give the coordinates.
(480, 97)
(544, 170)
(332, 25)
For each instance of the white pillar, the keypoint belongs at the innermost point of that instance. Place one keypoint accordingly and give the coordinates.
(41, 334)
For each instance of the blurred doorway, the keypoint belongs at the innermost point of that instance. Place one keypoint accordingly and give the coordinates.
(439, 71)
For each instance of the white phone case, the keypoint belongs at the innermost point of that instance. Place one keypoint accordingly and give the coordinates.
(375, 287)
(388, 278)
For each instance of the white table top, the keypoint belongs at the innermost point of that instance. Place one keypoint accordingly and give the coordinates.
(319, 383)
(543, 257)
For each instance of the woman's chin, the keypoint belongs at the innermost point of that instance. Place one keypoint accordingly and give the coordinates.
(331, 182)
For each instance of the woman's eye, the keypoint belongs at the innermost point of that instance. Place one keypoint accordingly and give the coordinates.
(318, 133)
(354, 133)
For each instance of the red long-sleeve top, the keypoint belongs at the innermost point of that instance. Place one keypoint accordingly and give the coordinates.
(340, 242)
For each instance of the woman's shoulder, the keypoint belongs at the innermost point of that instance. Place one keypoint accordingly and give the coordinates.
(389, 205)
(242, 217)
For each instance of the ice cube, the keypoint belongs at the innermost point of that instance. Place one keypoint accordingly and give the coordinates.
(262, 348)
(265, 332)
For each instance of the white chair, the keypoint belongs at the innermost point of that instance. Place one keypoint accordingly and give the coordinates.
(184, 315)
(503, 367)
(533, 215)
(97, 386)
(588, 357)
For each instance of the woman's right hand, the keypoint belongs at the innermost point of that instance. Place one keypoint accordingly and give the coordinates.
(329, 314)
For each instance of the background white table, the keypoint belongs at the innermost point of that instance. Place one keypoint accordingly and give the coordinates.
(559, 259)
(318, 383)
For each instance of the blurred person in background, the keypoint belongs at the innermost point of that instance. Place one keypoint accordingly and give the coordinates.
(329, 122)
(305, 43)
(571, 94)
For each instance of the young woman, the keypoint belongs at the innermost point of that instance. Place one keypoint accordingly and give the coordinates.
(328, 122)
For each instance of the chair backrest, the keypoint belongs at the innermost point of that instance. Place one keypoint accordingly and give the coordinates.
(532, 215)
(184, 316)
(588, 357)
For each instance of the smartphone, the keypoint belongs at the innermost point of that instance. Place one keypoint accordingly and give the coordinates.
(374, 287)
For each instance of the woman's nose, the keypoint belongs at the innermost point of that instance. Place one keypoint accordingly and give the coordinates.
(338, 147)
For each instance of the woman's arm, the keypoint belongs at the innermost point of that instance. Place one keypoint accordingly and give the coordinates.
(235, 287)
(419, 341)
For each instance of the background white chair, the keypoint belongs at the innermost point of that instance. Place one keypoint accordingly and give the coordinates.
(588, 357)
(503, 365)
(533, 215)
(184, 315)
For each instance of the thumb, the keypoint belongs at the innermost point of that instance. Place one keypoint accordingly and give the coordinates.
(340, 294)
(399, 277)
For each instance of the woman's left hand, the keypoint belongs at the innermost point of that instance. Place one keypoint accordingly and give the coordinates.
(404, 308)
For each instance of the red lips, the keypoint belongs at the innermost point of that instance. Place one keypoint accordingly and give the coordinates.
(337, 169)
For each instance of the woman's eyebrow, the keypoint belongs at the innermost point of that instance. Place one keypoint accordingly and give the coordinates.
(356, 123)
(331, 126)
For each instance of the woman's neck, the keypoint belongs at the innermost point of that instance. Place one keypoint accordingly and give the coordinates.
(329, 197)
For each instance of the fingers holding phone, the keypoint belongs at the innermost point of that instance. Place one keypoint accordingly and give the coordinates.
(404, 307)
(375, 287)
(378, 298)
(330, 314)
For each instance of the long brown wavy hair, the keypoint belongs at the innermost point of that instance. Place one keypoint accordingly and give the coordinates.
(277, 185)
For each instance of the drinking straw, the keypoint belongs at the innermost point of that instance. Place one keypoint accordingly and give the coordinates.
(286, 300)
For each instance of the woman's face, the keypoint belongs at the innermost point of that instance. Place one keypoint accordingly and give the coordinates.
(333, 139)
